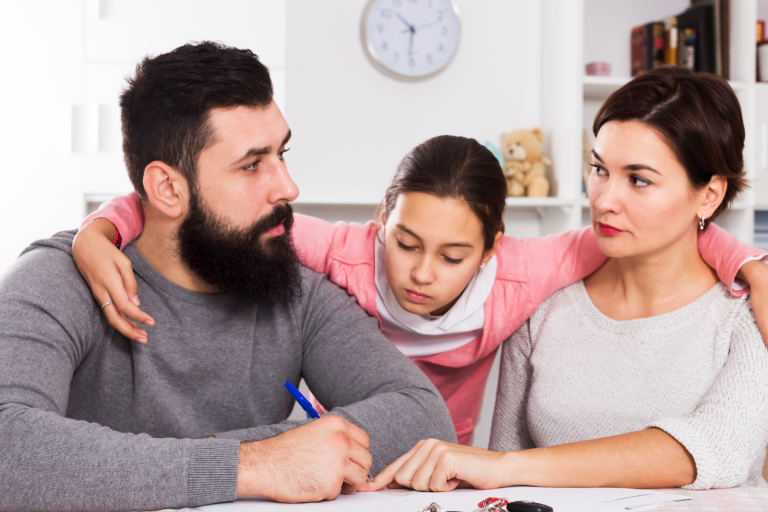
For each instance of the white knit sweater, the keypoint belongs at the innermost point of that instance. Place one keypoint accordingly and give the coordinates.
(699, 373)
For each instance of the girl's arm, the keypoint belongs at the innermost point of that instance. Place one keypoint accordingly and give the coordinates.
(575, 254)
(109, 273)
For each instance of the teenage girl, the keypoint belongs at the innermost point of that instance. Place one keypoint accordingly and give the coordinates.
(436, 271)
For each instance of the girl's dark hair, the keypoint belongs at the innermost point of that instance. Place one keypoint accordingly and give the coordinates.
(455, 167)
(697, 115)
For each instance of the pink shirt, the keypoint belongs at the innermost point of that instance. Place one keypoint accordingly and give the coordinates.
(528, 271)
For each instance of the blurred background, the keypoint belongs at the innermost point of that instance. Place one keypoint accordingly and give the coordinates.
(518, 64)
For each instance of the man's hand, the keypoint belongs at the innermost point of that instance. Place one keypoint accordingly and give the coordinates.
(313, 462)
(755, 273)
(438, 466)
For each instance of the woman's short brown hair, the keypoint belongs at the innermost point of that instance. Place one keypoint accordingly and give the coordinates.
(697, 115)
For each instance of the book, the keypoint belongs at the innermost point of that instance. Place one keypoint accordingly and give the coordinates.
(760, 30)
(647, 47)
(722, 22)
(670, 40)
(700, 20)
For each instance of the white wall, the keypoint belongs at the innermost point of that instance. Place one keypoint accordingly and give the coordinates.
(354, 124)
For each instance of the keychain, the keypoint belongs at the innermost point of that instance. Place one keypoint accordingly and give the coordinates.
(492, 505)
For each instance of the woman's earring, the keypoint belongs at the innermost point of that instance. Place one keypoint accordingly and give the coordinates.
(482, 266)
(701, 223)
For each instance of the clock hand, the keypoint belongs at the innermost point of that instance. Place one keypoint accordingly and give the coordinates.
(410, 43)
(427, 25)
(410, 27)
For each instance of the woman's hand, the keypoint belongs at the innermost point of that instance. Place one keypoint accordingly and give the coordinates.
(109, 274)
(434, 465)
(755, 273)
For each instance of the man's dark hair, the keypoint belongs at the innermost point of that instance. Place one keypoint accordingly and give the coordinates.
(166, 107)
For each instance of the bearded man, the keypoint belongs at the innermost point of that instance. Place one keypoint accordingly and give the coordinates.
(92, 421)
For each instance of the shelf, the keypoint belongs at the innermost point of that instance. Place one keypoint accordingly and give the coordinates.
(600, 87)
(538, 202)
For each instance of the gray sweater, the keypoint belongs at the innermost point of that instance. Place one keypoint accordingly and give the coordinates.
(699, 373)
(92, 421)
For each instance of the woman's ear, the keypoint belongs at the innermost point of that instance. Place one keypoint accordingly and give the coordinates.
(166, 189)
(714, 192)
(492, 251)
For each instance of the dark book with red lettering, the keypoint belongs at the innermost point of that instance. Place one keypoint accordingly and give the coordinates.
(647, 47)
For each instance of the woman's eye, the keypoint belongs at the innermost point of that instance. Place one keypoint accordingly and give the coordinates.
(639, 182)
(405, 247)
(599, 170)
(452, 261)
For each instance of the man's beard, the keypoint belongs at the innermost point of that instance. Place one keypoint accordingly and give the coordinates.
(242, 262)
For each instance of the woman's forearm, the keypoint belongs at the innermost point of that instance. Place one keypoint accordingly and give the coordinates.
(646, 459)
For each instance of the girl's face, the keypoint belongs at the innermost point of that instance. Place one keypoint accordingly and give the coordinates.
(639, 194)
(432, 247)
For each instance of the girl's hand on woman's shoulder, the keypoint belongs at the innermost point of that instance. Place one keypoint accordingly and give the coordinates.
(756, 274)
(438, 466)
(109, 275)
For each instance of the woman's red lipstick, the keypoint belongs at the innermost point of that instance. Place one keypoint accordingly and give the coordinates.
(607, 229)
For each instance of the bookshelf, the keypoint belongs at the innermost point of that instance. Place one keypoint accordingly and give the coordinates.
(570, 99)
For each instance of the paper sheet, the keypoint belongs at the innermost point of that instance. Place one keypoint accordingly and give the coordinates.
(464, 500)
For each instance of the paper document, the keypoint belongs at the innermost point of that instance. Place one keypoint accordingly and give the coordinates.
(464, 500)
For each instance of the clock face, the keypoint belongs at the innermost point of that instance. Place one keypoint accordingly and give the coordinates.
(410, 39)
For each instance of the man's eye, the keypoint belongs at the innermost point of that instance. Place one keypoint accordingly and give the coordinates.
(405, 247)
(283, 152)
(251, 166)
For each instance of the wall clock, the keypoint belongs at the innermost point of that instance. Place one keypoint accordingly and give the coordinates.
(410, 39)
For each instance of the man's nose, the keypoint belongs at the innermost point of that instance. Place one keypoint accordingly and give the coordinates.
(284, 189)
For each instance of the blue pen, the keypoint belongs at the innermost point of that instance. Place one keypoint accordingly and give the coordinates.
(303, 402)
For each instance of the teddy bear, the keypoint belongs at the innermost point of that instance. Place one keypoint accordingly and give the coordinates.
(524, 163)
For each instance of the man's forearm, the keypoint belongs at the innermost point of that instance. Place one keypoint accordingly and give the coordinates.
(55, 463)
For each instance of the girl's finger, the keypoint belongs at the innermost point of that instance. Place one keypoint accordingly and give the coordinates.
(404, 476)
(386, 476)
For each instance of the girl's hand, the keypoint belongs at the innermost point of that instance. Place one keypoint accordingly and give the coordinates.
(109, 274)
(756, 274)
(434, 465)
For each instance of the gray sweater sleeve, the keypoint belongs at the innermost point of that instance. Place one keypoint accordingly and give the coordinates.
(359, 375)
(729, 428)
(50, 462)
(509, 430)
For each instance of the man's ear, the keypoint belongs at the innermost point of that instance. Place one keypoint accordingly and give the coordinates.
(166, 189)
(714, 192)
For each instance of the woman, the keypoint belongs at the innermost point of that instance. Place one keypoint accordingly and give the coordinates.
(647, 373)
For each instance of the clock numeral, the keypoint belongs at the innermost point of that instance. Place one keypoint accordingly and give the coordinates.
(429, 59)
(380, 27)
(384, 46)
(412, 62)
(440, 47)
(444, 32)
(386, 13)
(440, 15)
